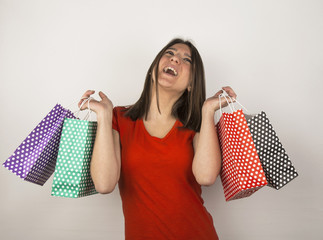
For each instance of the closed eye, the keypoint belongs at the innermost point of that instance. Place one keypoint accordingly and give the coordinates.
(170, 52)
(187, 60)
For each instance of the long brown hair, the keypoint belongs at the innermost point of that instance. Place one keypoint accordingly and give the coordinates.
(187, 108)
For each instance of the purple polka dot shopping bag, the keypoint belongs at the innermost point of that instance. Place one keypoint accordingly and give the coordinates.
(35, 158)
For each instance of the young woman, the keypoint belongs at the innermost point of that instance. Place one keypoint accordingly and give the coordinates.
(161, 149)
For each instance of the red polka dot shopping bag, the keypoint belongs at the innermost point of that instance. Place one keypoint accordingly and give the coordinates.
(241, 173)
(72, 176)
(35, 158)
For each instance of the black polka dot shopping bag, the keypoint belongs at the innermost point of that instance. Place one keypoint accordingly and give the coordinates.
(276, 163)
(72, 176)
(35, 158)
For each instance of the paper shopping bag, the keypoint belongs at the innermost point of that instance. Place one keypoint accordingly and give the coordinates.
(241, 172)
(34, 160)
(72, 173)
(277, 165)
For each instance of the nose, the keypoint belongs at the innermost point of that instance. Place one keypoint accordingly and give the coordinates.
(175, 59)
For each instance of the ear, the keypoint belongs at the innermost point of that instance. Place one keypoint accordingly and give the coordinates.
(189, 88)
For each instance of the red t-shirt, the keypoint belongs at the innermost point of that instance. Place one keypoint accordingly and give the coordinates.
(160, 197)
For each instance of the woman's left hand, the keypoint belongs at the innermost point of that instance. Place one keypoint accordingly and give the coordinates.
(212, 104)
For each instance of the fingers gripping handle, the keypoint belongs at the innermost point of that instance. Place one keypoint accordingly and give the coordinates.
(231, 103)
(223, 95)
(88, 114)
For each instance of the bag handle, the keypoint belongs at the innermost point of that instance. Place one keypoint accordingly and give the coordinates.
(223, 95)
(231, 103)
(88, 114)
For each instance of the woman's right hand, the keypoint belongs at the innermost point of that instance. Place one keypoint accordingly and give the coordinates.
(101, 108)
(106, 157)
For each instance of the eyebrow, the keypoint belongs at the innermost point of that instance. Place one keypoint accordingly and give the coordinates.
(176, 50)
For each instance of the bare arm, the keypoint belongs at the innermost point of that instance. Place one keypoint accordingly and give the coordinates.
(105, 162)
(207, 158)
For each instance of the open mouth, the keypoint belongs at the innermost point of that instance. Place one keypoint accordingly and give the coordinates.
(170, 71)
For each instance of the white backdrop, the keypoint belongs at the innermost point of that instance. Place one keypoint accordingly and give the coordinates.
(270, 52)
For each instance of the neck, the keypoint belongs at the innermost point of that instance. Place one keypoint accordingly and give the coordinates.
(166, 101)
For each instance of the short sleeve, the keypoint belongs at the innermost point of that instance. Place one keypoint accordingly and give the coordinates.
(115, 124)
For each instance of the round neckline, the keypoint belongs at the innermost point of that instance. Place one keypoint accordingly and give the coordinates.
(157, 138)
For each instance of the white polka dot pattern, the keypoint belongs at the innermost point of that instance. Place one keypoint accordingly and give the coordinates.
(35, 158)
(72, 173)
(241, 172)
(275, 161)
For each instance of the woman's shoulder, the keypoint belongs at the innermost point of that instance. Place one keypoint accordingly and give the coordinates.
(120, 121)
(120, 110)
(185, 130)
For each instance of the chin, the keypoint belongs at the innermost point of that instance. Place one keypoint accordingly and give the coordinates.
(166, 83)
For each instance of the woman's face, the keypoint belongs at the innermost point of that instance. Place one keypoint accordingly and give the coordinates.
(175, 68)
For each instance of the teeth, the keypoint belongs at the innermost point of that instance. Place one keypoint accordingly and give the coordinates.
(170, 68)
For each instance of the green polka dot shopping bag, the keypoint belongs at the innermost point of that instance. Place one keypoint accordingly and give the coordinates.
(72, 173)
